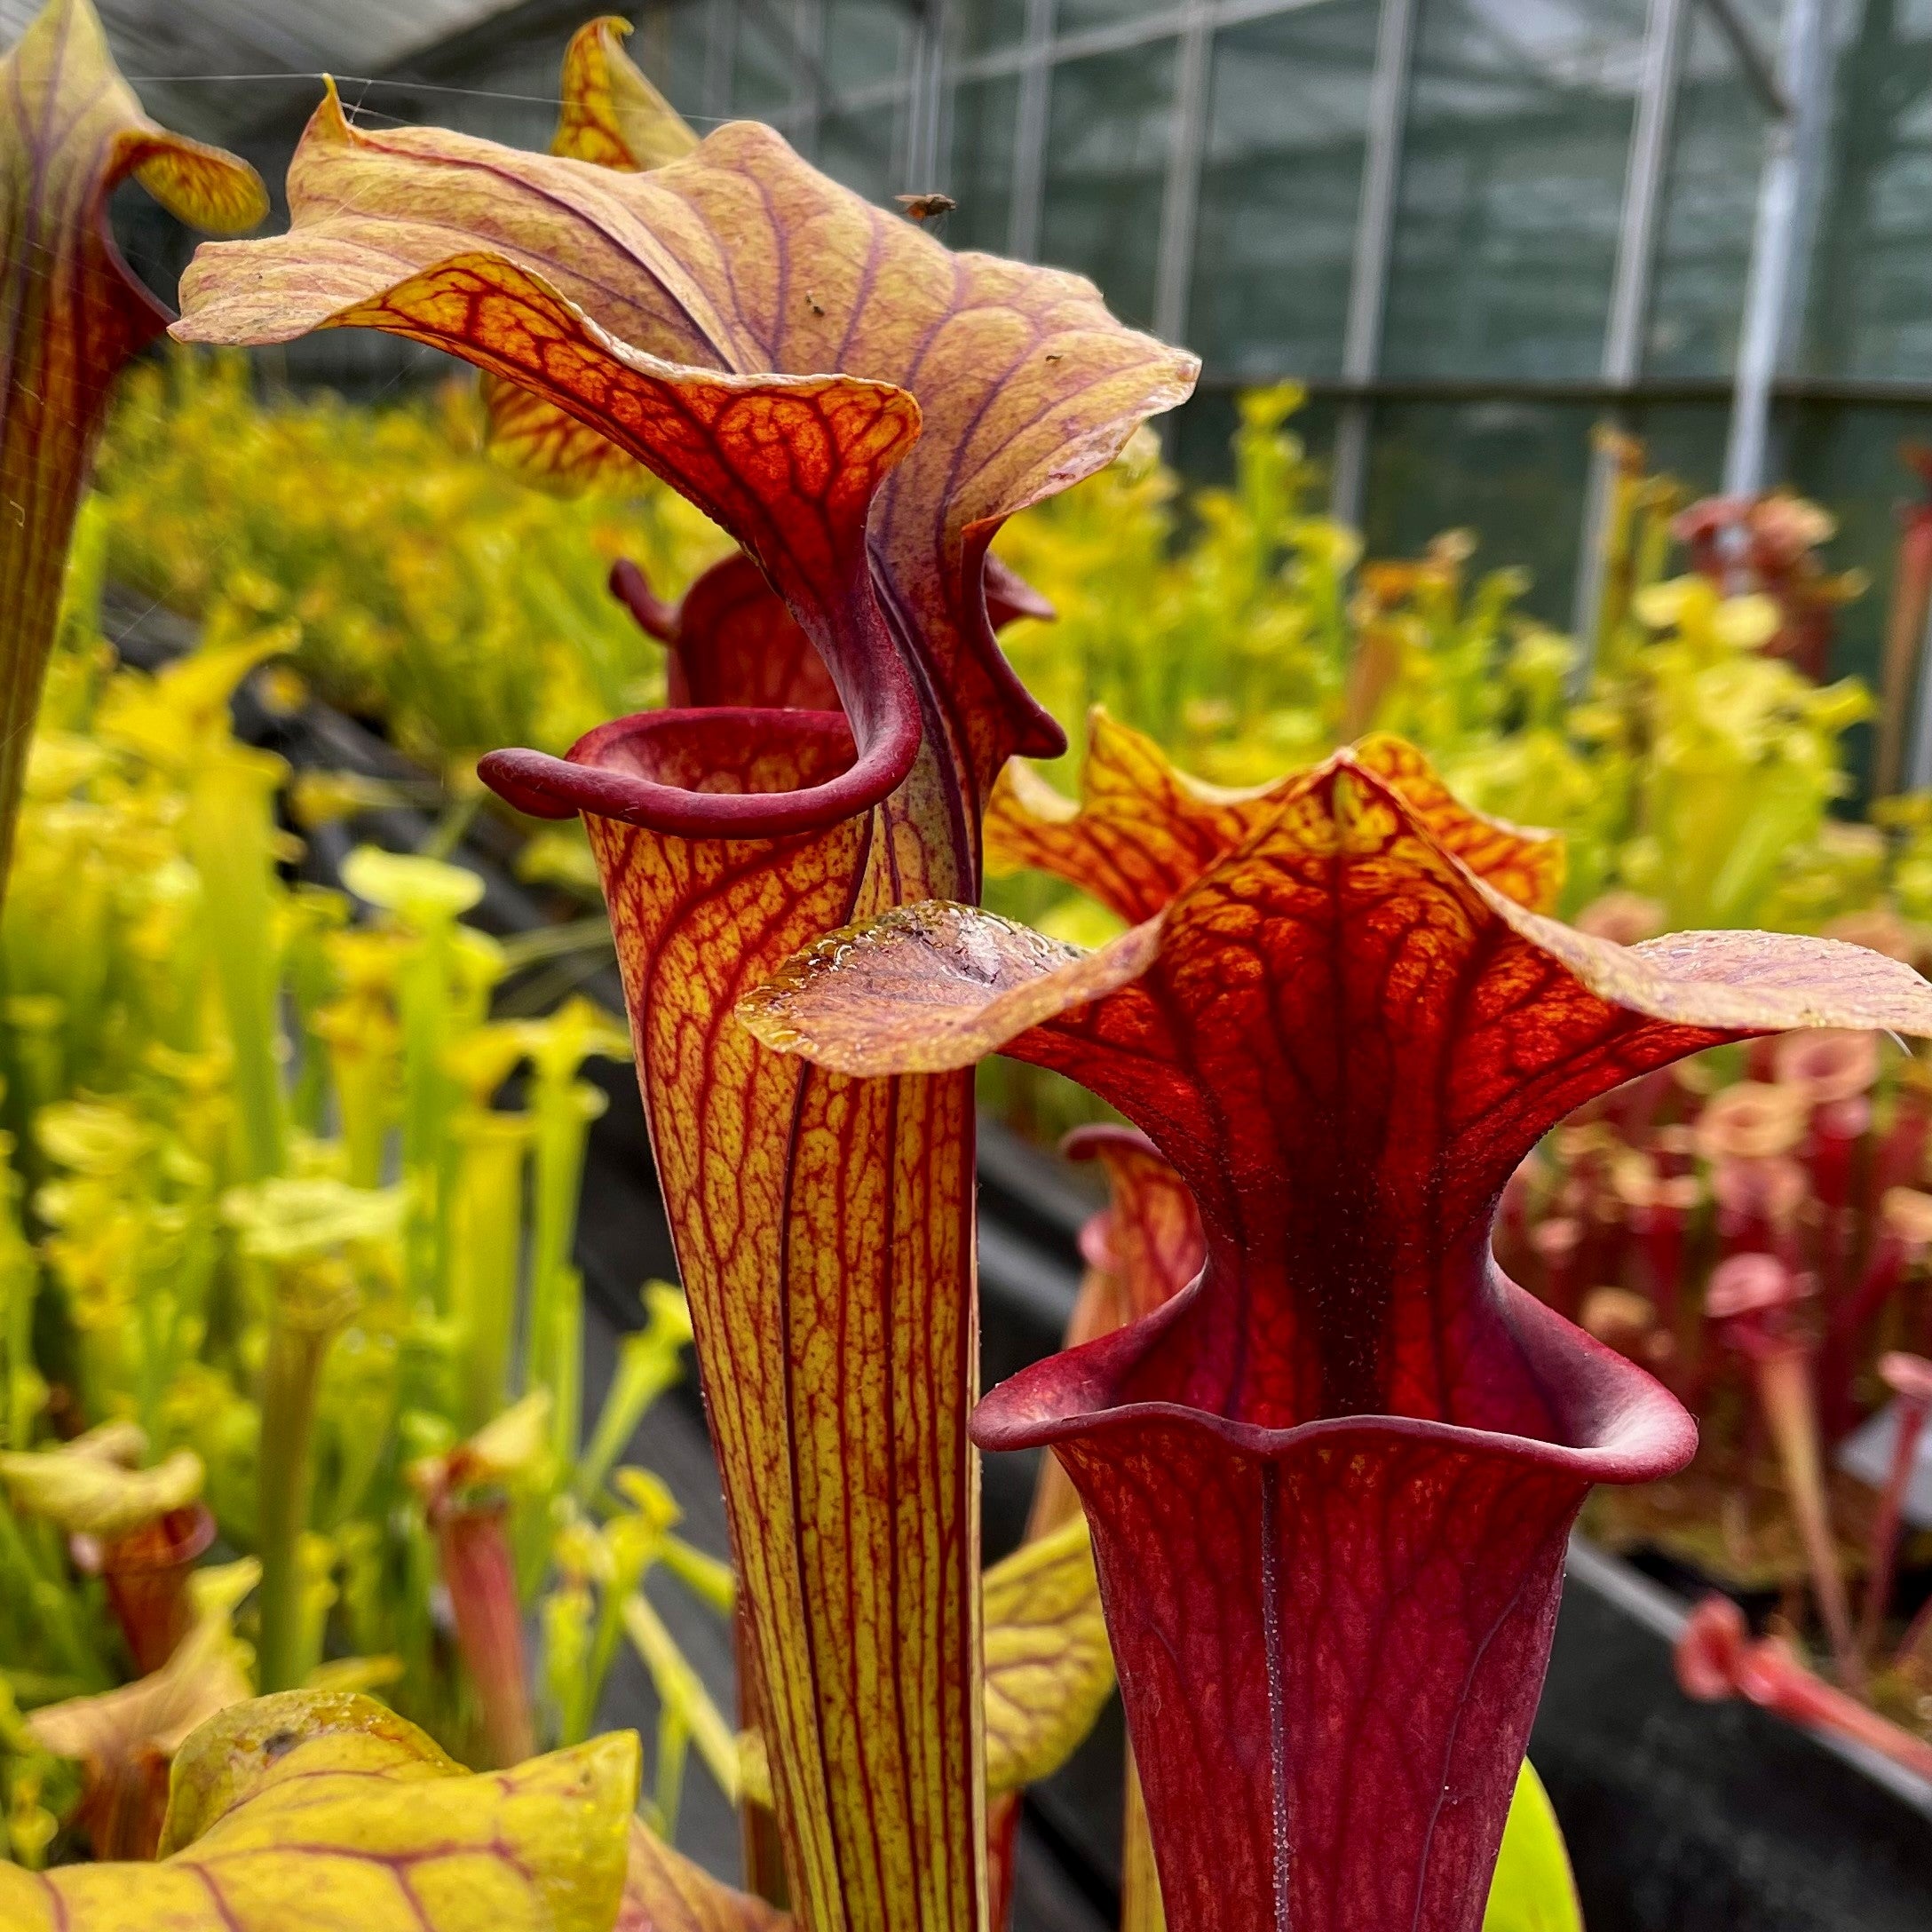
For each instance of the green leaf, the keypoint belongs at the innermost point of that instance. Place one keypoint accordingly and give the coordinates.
(313, 1809)
(1532, 1891)
(1048, 1668)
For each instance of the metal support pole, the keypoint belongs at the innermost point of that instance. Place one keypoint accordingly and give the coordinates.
(1181, 200)
(1375, 232)
(1630, 291)
(1760, 72)
(1644, 191)
(1030, 135)
(1779, 247)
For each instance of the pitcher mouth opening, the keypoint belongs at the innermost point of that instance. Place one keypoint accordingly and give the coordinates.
(170, 1542)
(730, 771)
(1611, 1421)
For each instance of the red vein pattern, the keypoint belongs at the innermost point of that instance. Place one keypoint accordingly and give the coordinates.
(824, 1219)
(665, 1892)
(822, 1223)
(730, 641)
(1144, 831)
(71, 315)
(611, 114)
(323, 1809)
(1141, 1250)
(1149, 1237)
(1330, 1483)
(740, 258)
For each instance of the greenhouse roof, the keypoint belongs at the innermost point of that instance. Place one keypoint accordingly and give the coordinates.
(214, 68)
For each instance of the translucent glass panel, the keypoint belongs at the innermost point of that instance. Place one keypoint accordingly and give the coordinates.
(1109, 132)
(1512, 186)
(1685, 440)
(686, 56)
(1848, 459)
(1709, 210)
(866, 42)
(1513, 473)
(985, 118)
(765, 63)
(984, 26)
(671, 46)
(1281, 192)
(1199, 435)
(1199, 439)
(1071, 16)
(1872, 283)
(856, 149)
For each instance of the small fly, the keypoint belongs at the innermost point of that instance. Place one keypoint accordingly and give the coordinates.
(925, 208)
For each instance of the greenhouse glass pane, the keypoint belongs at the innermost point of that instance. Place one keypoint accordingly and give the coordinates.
(988, 25)
(670, 46)
(690, 46)
(986, 117)
(1512, 186)
(1281, 192)
(1109, 128)
(1073, 16)
(1846, 458)
(1871, 312)
(766, 60)
(866, 42)
(1199, 439)
(1511, 472)
(856, 149)
(1709, 211)
(1685, 441)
